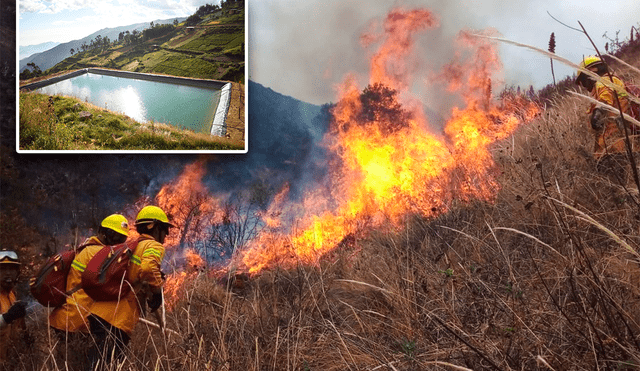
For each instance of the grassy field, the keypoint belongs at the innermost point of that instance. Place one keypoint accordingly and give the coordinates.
(213, 41)
(56, 125)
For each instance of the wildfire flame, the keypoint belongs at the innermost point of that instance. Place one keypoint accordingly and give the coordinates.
(389, 162)
(188, 204)
(173, 288)
(175, 282)
(190, 207)
(194, 260)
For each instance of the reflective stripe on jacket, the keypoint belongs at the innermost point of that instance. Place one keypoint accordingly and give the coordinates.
(72, 315)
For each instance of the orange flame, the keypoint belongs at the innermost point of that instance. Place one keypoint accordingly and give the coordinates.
(175, 283)
(390, 164)
(388, 64)
(188, 205)
(192, 209)
(173, 288)
(271, 216)
(194, 260)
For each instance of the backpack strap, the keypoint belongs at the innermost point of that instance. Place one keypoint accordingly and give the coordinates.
(88, 242)
(73, 290)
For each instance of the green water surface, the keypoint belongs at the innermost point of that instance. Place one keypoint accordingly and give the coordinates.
(182, 106)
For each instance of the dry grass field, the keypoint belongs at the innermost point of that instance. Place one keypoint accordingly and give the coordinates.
(545, 277)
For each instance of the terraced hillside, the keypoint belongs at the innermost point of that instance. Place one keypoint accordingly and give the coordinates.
(210, 47)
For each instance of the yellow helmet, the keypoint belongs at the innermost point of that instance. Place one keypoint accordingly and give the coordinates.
(151, 214)
(590, 61)
(117, 223)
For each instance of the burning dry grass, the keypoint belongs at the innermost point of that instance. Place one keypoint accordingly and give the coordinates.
(502, 286)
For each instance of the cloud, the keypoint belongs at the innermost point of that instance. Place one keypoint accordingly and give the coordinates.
(157, 7)
(64, 20)
(52, 7)
(31, 6)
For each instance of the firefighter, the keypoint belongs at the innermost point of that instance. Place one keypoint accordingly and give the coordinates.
(13, 311)
(112, 322)
(71, 317)
(609, 134)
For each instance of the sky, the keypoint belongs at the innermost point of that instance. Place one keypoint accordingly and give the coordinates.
(65, 20)
(305, 48)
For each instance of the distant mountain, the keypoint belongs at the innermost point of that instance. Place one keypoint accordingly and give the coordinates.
(29, 50)
(51, 57)
(280, 117)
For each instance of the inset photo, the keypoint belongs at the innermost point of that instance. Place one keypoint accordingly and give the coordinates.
(117, 76)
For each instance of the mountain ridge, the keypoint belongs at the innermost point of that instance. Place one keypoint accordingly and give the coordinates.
(49, 58)
(29, 50)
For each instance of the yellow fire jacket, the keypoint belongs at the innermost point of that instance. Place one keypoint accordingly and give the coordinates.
(144, 274)
(611, 138)
(9, 333)
(72, 315)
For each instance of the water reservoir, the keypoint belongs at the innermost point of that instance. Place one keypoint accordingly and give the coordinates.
(185, 103)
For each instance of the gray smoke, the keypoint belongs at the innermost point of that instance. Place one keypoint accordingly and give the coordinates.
(303, 48)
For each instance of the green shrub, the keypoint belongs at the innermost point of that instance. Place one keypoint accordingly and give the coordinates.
(116, 123)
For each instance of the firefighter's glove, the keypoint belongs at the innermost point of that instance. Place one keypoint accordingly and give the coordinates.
(17, 310)
(598, 119)
(155, 301)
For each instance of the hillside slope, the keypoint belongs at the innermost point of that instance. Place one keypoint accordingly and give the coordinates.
(52, 56)
(278, 144)
(212, 48)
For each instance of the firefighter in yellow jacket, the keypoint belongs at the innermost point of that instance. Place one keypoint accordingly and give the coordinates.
(12, 312)
(609, 136)
(112, 322)
(72, 315)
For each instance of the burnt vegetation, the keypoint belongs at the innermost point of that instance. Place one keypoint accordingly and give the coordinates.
(547, 277)
(378, 109)
(380, 104)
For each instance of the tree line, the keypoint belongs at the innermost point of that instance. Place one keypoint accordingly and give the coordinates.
(209, 8)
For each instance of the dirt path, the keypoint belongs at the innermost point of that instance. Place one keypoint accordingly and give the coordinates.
(235, 116)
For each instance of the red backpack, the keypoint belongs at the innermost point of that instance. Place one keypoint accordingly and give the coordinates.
(49, 285)
(105, 278)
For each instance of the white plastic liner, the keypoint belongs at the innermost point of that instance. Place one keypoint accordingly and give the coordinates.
(219, 126)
